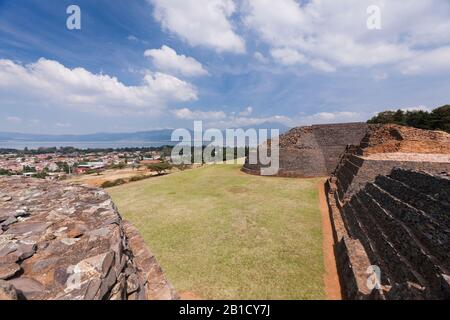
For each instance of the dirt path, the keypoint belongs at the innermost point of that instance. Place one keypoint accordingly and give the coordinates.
(331, 278)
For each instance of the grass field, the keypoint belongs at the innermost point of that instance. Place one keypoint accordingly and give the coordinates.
(221, 234)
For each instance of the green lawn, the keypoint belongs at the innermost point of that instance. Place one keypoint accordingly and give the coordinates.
(221, 234)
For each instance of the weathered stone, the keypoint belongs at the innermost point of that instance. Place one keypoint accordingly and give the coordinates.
(10, 258)
(132, 283)
(26, 249)
(5, 198)
(92, 289)
(21, 213)
(7, 247)
(60, 276)
(7, 291)
(5, 224)
(69, 241)
(28, 228)
(8, 270)
(30, 288)
(107, 284)
(118, 292)
(45, 265)
(312, 151)
(395, 221)
(72, 245)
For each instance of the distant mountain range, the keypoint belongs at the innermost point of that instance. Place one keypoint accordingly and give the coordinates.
(142, 136)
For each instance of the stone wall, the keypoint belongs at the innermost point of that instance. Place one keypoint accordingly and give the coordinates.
(400, 223)
(313, 151)
(355, 171)
(60, 241)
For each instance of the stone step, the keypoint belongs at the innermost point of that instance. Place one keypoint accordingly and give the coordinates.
(346, 175)
(392, 263)
(434, 186)
(431, 234)
(358, 231)
(400, 237)
(437, 210)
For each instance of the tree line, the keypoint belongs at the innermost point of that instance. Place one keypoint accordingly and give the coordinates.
(438, 119)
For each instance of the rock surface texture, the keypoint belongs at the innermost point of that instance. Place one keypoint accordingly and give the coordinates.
(60, 241)
(389, 206)
(313, 151)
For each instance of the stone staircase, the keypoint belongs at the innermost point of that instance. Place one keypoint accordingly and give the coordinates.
(403, 223)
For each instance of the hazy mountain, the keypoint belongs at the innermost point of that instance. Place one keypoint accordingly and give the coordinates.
(153, 135)
(156, 135)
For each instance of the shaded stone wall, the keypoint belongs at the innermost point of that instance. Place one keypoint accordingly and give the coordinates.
(401, 223)
(60, 241)
(355, 171)
(315, 150)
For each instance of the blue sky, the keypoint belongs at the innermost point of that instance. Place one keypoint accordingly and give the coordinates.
(150, 64)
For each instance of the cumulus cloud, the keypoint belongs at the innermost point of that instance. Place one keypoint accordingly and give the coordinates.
(166, 59)
(200, 22)
(222, 120)
(332, 117)
(333, 34)
(50, 83)
(188, 114)
(288, 56)
(427, 62)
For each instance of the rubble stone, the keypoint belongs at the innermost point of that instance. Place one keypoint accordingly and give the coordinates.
(62, 241)
(7, 291)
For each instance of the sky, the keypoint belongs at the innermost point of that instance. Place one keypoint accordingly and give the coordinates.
(153, 64)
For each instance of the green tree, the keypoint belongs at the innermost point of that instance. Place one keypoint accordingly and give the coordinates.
(160, 168)
(438, 119)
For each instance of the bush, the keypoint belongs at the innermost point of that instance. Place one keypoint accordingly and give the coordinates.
(110, 184)
(137, 178)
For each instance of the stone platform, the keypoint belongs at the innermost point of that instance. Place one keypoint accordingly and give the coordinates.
(60, 241)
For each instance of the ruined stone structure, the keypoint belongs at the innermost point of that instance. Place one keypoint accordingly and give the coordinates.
(401, 224)
(389, 204)
(313, 151)
(60, 241)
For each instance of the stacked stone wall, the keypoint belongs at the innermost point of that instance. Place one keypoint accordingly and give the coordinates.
(355, 171)
(400, 223)
(313, 151)
(67, 242)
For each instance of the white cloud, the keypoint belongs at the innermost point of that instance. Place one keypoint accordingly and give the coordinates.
(188, 114)
(200, 22)
(247, 112)
(14, 120)
(288, 57)
(260, 57)
(166, 59)
(51, 84)
(437, 60)
(222, 120)
(132, 38)
(333, 34)
(331, 117)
